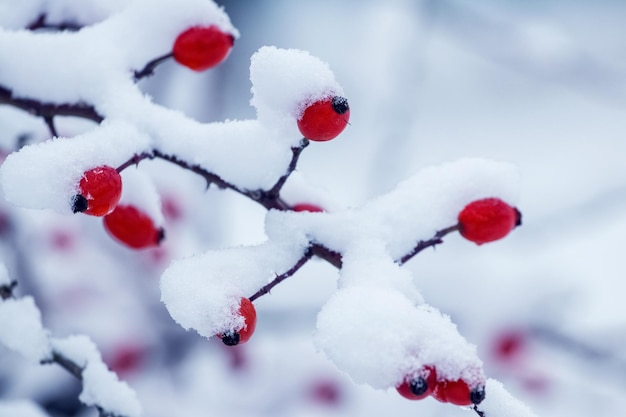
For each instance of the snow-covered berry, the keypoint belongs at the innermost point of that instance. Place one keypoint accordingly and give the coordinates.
(324, 119)
(458, 392)
(200, 48)
(419, 386)
(486, 220)
(239, 336)
(100, 189)
(133, 227)
(312, 208)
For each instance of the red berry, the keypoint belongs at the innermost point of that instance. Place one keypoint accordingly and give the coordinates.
(307, 207)
(201, 48)
(419, 386)
(236, 337)
(455, 392)
(100, 190)
(132, 227)
(324, 119)
(509, 345)
(458, 392)
(487, 220)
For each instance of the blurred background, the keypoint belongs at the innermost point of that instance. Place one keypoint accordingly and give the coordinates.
(541, 84)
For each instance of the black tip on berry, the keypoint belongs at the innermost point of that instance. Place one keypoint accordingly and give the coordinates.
(518, 218)
(231, 339)
(340, 104)
(160, 236)
(79, 204)
(477, 395)
(419, 386)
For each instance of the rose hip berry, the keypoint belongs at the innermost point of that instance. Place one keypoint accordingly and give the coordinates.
(325, 119)
(236, 337)
(100, 190)
(458, 392)
(133, 227)
(312, 208)
(200, 48)
(486, 220)
(420, 386)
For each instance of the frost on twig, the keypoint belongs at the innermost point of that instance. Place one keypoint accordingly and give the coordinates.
(21, 330)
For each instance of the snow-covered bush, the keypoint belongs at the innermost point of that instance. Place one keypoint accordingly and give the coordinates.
(87, 60)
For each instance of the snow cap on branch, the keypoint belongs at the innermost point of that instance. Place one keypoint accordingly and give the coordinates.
(101, 387)
(378, 337)
(21, 329)
(46, 175)
(203, 292)
(285, 82)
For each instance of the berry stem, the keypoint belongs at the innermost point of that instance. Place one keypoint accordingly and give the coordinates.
(149, 68)
(296, 151)
(280, 278)
(478, 411)
(432, 242)
(48, 110)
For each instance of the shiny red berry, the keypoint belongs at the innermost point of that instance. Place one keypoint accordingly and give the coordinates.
(132, 227)
(100, 190)
(237, 337)
(455, 392)
(312, 208)
(325, 119)
(419, 386)
(201, 48)
(458, 392)
(486, 220)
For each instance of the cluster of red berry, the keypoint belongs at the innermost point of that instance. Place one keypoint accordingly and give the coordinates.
(426, 383)
(100, 189)
(200, 48)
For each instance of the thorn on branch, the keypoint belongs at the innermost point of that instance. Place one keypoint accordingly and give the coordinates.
(280, 278)
(432, 242)
(6, 291)
(49, 120)
(135, 160)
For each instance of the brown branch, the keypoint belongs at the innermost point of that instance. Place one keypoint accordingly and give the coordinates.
(432, 242)
(6, 291)
(479, 412)
(275, 190)
(148, 70)
(262, 197)
(49, 110)
(41, 24)
(280, 278)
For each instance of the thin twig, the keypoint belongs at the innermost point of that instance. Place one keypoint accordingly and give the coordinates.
(262, 197)
(6, 291)
(135, 160)
(40, 23)
(148, 70)
(280, 278)
(296, 151)
(423, 244)
(49, 120)
(479, 412)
